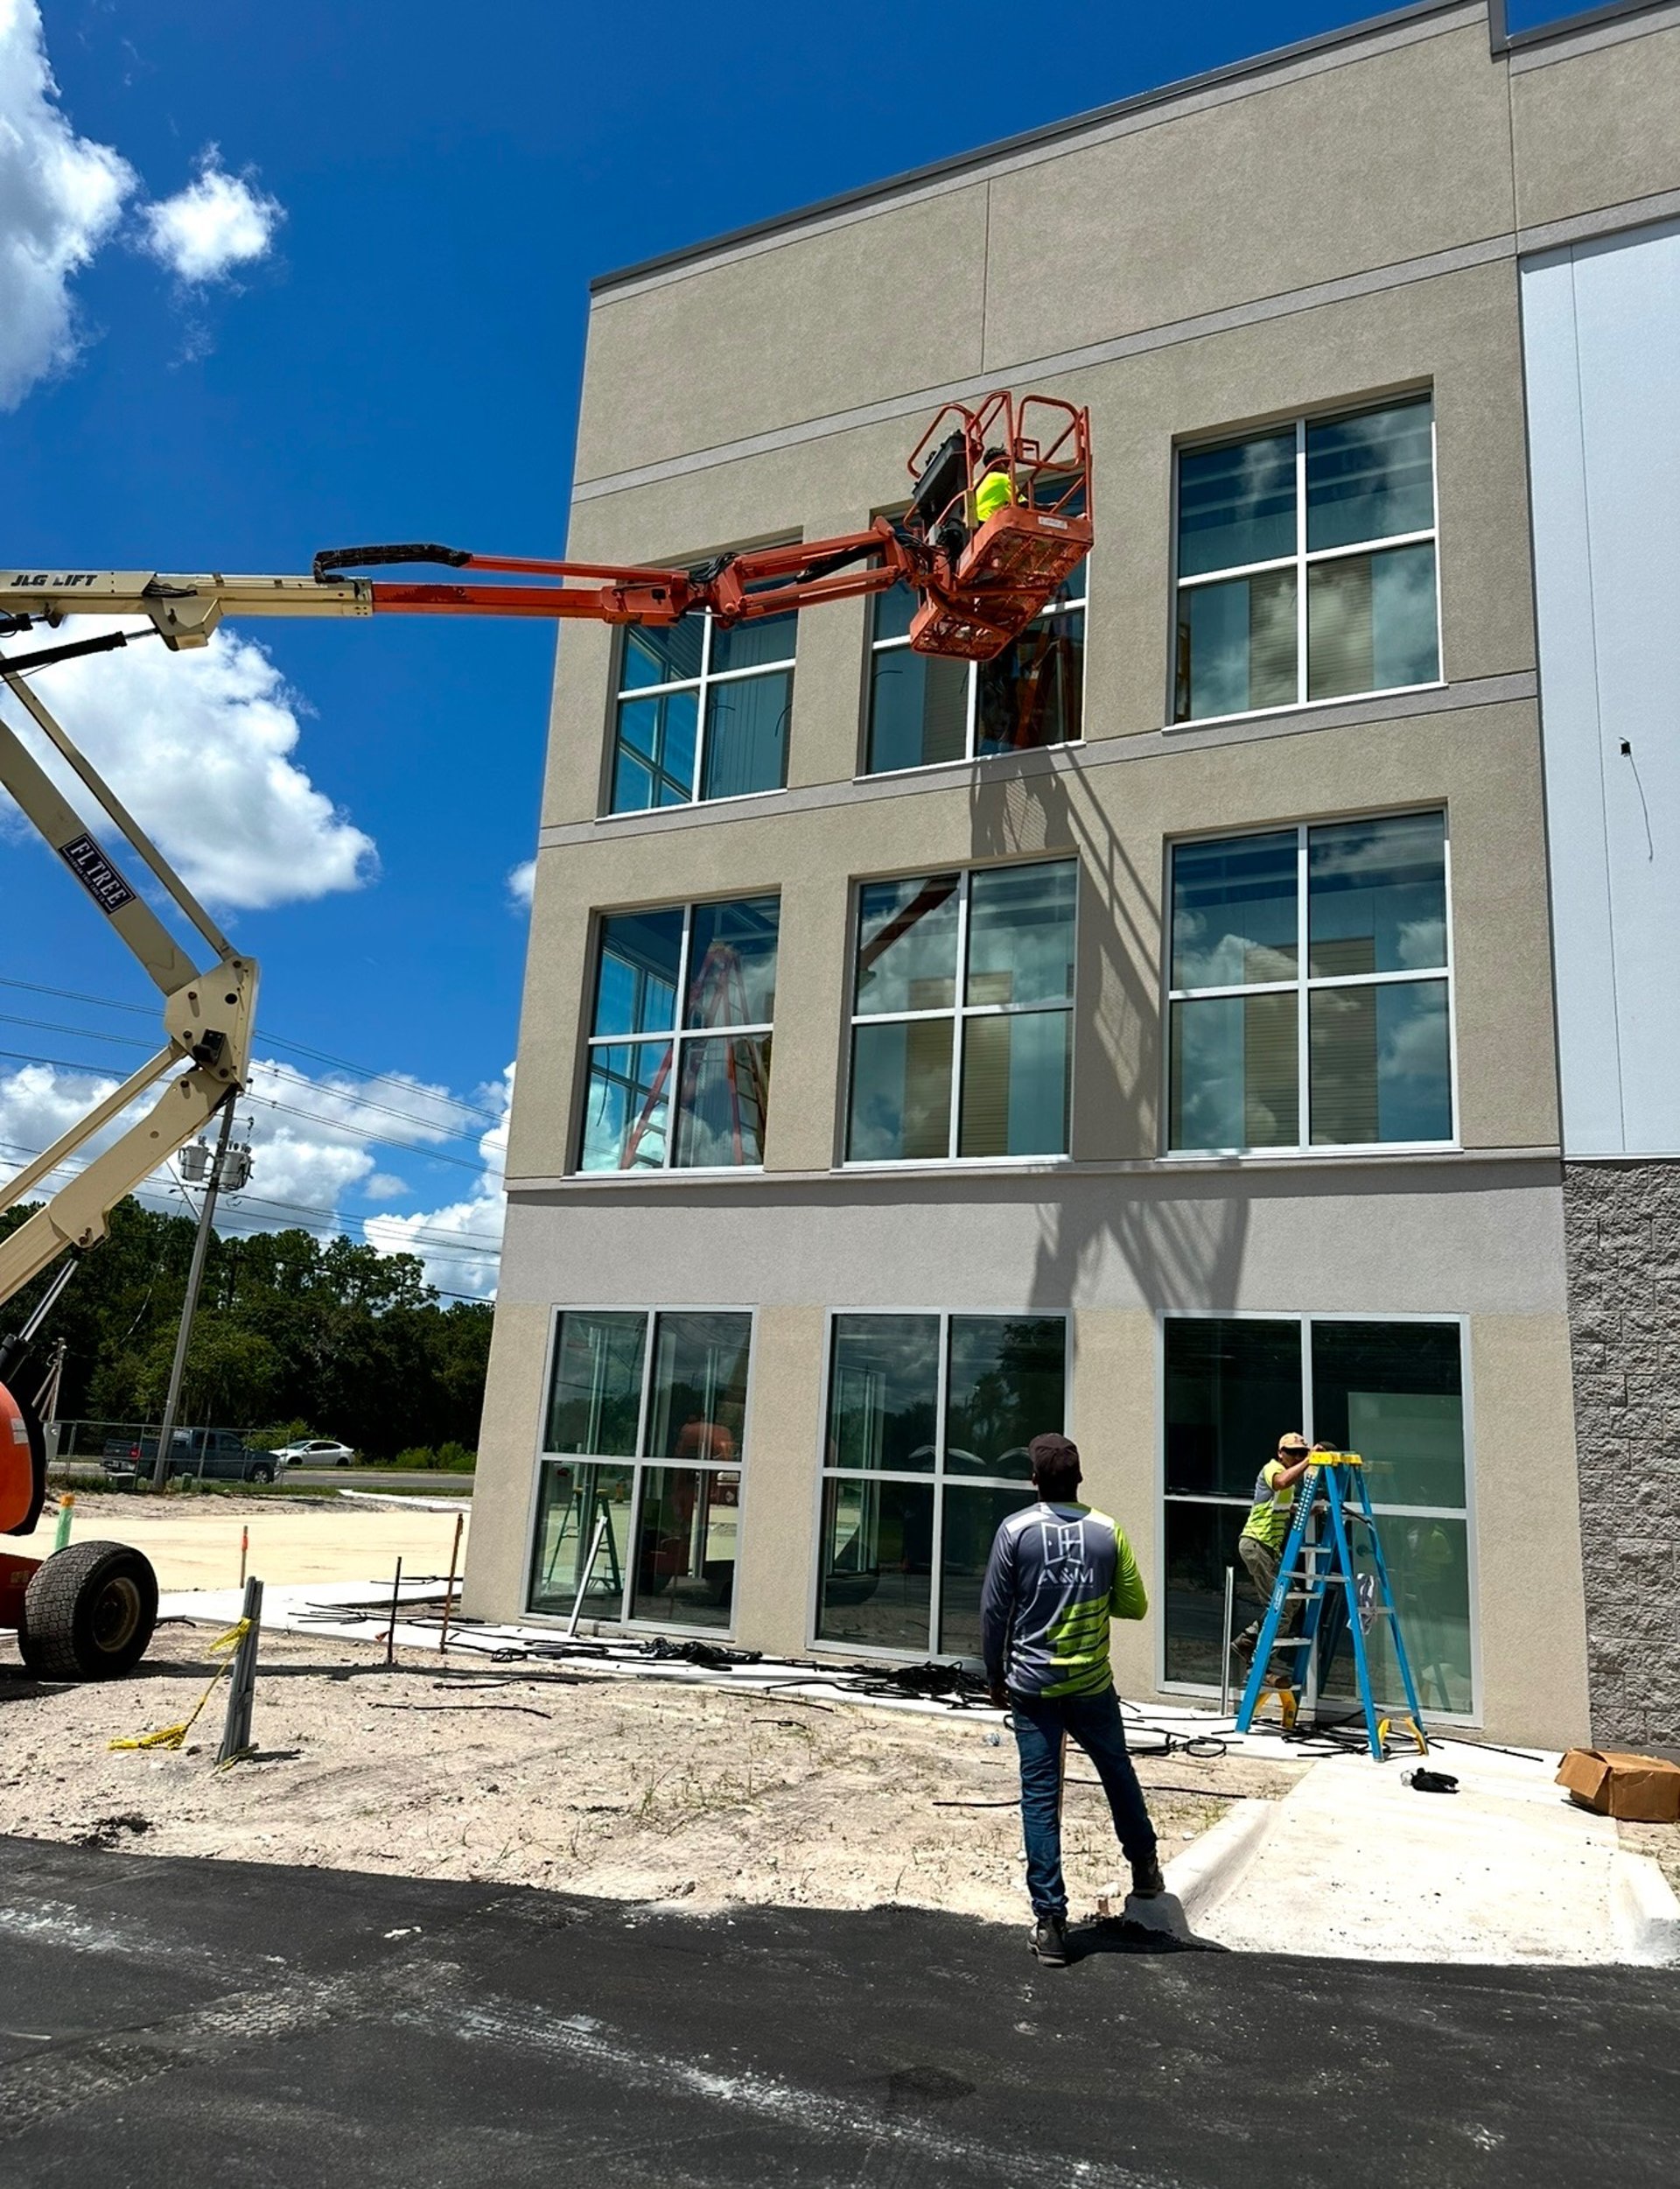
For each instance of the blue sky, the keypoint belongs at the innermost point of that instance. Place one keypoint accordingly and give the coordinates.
(437, 185)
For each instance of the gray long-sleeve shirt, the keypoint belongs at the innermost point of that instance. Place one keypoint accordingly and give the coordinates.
(1057, 1574)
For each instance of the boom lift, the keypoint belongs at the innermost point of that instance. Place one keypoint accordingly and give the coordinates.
(88, 1612)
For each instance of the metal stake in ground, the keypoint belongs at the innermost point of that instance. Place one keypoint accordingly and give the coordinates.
(449, 1594)
(241, 1685)
(390, 1631)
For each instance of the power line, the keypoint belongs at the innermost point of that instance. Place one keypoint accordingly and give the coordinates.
(301, 1049)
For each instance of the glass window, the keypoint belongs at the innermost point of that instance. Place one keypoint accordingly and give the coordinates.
(1392, 1391)
(924, 709)
(1355, 1054)
(928, 1421)
(702, 712)
(709, 1054)
(962, 1015)
(1281, 594)
(651, 1537)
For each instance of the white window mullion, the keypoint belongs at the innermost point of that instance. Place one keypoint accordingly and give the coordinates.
(1303, 1053)
(1300, 562)
(702, 728)
(958, 1026)
(935, 1579)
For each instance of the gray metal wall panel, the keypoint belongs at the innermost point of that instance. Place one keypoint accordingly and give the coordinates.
(1601, 325)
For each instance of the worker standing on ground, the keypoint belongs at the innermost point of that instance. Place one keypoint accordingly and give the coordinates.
(1058, 1572)
(1261, 1544)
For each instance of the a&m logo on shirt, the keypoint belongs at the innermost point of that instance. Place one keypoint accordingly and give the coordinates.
(1064, 1552)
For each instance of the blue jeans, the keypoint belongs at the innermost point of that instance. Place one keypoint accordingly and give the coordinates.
(1041, 1725)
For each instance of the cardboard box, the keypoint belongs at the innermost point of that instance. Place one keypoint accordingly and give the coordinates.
(1641, 1789)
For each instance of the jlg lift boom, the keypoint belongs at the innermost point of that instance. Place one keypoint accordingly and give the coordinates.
(977, 588)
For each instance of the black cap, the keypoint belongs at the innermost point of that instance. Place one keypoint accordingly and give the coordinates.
(1053, 1454)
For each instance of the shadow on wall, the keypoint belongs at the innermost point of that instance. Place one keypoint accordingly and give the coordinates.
(1183, 1248)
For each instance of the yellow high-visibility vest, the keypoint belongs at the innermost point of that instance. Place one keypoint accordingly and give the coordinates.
(995, 492)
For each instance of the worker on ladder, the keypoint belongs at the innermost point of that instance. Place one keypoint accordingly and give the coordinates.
(1261, 1544)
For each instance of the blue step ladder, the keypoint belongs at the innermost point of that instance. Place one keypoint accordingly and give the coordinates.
(1331, 1503)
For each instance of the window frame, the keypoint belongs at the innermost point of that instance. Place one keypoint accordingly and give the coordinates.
(1300, 560)
(935, 1478)
(1305, 1319)
(676, 1037)
(873, 648)
(958, 1012)
(702, 684)
(1304, 1148)
(637, 1465)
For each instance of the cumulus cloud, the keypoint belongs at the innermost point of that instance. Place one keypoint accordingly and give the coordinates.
(219, 221)
(200, 746)
(467, 1225)
(521, 881)
(60, 197)
(306, 1133)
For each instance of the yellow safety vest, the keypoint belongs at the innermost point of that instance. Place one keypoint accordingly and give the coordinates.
(995, 492)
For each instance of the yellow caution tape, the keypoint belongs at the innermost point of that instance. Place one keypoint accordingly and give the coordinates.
(174, 1736)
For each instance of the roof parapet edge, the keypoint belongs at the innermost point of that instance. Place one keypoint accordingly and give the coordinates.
(1503, 39)
(1049, 132)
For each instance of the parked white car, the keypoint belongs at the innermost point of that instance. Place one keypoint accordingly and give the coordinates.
(317, 1451)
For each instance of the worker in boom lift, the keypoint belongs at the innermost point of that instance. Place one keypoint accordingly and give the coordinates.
(1058, 1573)
(995, 489)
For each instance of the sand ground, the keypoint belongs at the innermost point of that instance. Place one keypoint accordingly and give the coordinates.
(194, 1541)
(576, 1782)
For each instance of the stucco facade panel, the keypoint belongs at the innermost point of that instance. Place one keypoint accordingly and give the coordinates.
(1390, 156)
(1597, 129)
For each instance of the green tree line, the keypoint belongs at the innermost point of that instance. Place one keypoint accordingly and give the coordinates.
(291, 1329)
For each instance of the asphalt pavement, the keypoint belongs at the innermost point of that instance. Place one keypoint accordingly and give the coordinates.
(180, 2024)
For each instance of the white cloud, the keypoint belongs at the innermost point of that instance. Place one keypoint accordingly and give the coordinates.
(308, 1155)
(470, 1221)
(521, 881)
(60, 197)
(384, 1185)
(199, 745)
(216, 223)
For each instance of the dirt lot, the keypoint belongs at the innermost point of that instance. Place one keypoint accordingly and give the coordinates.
(1660, 1839)
(192, 1539)
(576, 1782)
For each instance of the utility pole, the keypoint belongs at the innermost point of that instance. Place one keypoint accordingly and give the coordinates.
(213, 1184)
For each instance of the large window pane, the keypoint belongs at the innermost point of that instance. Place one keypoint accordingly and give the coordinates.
(1030, 695)
(907, 944)
(1021, 934)
(972, 1517)
(626, 1107)
(883, 1392)
(769, 638)
(640, 964)
(1369, 476)
(664, 655)
(572, 1501)
(724, 1101)
(918, 709)
(1380, 1063)
(1236, 504)
(1015, 1084)
(733, 963)
(901, 1092)
(595, 1391)
(876, 1582)
(1236, 645)
(1234, 911)
(1428, 1564)
(1233, 1073)
(1008, 1384)
(1394, 1393)
(1370, 623)
(746, 735)
(685, 1546)
(1377, 896)
(1200, 1544)
(1232, 1387)
(698, 1407)
(655, 761)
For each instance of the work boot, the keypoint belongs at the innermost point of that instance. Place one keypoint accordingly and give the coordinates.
(1147, 1882)
(1048, 1938)
(1243, 1651)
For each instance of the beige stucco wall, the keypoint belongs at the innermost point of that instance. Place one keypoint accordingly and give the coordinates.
(1324, 231)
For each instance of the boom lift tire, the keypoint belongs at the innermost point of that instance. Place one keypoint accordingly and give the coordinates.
(88, 1613)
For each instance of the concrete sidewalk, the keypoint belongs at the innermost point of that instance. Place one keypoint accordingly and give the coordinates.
(1357, 1865)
